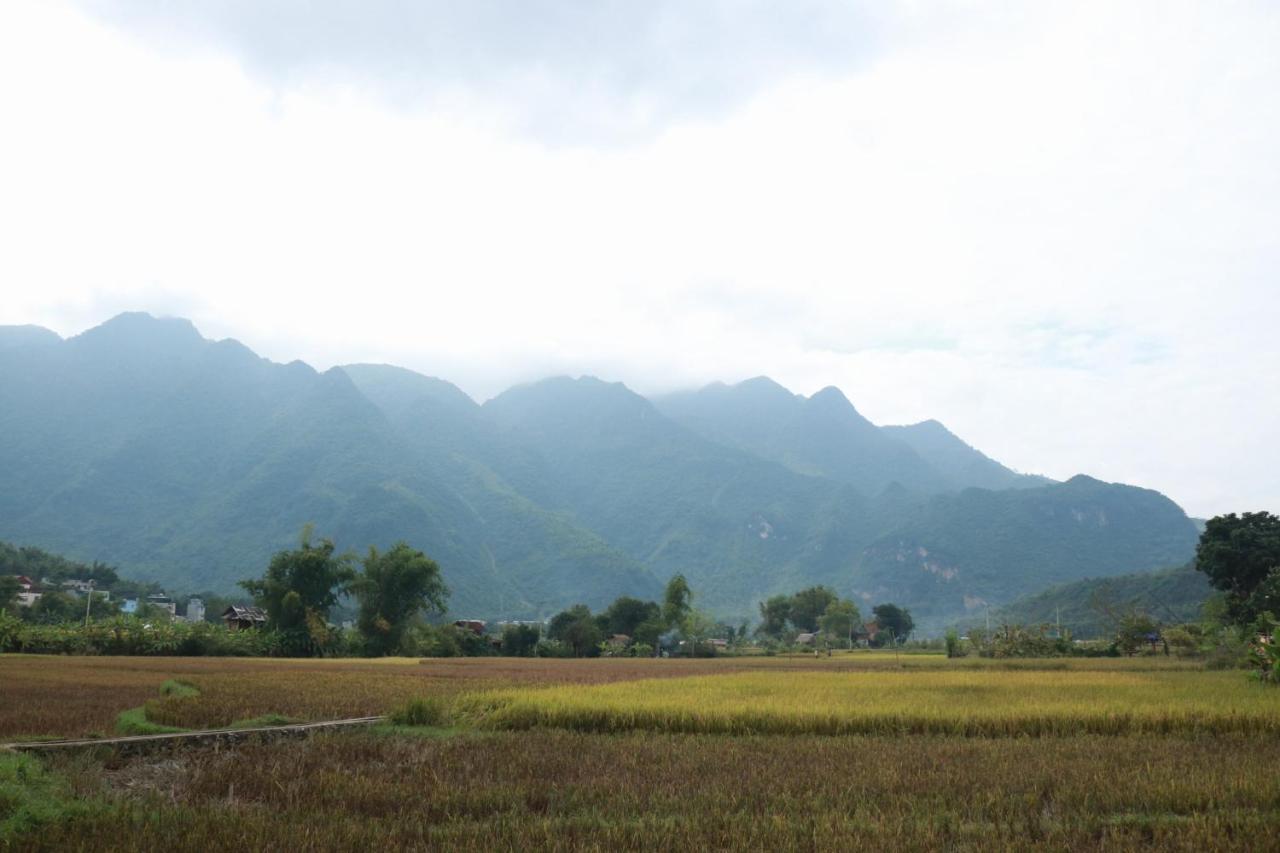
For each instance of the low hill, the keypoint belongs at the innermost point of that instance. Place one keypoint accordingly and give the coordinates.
(1089, 607)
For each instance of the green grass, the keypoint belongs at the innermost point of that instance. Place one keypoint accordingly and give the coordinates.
(263, 721)
(179, 687)
(134, 722)
(31, 797)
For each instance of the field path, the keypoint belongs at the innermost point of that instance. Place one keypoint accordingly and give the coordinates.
(215, 736)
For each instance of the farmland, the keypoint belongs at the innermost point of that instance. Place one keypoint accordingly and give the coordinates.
(735, 753)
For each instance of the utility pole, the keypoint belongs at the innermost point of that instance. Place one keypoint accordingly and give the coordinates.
(88, 601)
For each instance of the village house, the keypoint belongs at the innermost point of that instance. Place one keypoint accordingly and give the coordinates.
(28, 591)
(164, 602)
(241, 618)
(474, 625)
(195, 610)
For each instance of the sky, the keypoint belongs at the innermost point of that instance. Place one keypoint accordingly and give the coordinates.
(1053, 227)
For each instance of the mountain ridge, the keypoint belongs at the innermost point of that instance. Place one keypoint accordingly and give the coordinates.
(190, 461)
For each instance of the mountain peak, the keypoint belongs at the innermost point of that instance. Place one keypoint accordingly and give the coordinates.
(138, 329)
(12, 337)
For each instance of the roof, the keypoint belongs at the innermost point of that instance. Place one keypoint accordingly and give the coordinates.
(245, 614)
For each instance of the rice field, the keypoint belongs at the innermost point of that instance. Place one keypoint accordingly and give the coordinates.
(801, 753)
(964, 702)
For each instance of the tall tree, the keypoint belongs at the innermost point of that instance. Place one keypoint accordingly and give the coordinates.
(393, 588)
(695, 627)
(808, 605)
(1238, 554)
(839, 620)
(626, 614)
(298, 589)
(774, 615)
(676, 601)
(894, 620)
(577, 628)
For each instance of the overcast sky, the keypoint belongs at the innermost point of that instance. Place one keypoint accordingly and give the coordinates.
(1054, 227)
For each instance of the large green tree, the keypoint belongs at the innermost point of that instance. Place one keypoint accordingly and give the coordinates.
(676, 601)
(298, 589)
(578, 629)
(1240, 554)
(775, 613)
(808, 605)
(394, 587)
(626, 614)
(839, 620)
(894, 620)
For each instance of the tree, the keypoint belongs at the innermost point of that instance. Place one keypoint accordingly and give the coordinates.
(298, 589)
(626, 614)
(676, 601)
(695, 627)
(774, 615)
(1237, 554)
(839, 620)
(895, 620)
(808, 605)
(576, 628)
(1136, 630)
(520, 641)
(395, 587)
(54, 607)
(8, 590)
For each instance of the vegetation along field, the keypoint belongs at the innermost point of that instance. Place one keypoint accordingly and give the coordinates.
(856, 750)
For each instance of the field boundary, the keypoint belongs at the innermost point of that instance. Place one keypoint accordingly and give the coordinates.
(129, 743)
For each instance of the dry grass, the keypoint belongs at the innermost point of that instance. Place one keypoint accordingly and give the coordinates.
(44, 695)
(563, 790)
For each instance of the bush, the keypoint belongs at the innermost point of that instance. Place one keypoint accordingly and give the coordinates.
(954, 649)
(425, 711)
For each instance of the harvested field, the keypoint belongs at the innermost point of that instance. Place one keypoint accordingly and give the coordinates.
(562, 790)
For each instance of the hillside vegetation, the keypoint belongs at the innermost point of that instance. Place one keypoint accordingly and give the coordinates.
(189, 462)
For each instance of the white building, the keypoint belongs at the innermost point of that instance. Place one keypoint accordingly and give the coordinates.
(195, 610)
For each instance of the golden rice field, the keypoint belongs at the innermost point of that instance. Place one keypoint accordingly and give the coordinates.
(965, 702)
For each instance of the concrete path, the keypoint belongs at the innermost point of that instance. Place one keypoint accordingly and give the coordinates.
(133, 743)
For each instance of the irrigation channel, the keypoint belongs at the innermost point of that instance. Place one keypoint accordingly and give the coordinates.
(215, 737)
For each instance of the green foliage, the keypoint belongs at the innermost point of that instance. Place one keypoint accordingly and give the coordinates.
(775, 613)
(695, 628)
(520, 641)
(299, 588)
(130, 635)
(894, 621)
(808, 605)
(954, 648)
(1091, 608)
(1137, 631)
(626, 614)
(676, 600)
(1239, 555)
(422, 711)
(32, 797)
(394, 587)
(839, 621)
(445, 641)
(577, 629)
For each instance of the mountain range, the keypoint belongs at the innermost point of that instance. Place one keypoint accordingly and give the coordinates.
(190, 461)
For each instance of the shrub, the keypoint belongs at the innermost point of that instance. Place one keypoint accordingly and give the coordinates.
(423, 711)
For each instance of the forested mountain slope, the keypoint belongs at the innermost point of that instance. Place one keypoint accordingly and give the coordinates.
(190, 461)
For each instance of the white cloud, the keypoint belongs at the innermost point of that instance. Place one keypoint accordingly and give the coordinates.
(1055, 231)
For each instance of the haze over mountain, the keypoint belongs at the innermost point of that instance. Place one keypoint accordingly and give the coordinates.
(190, 461)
